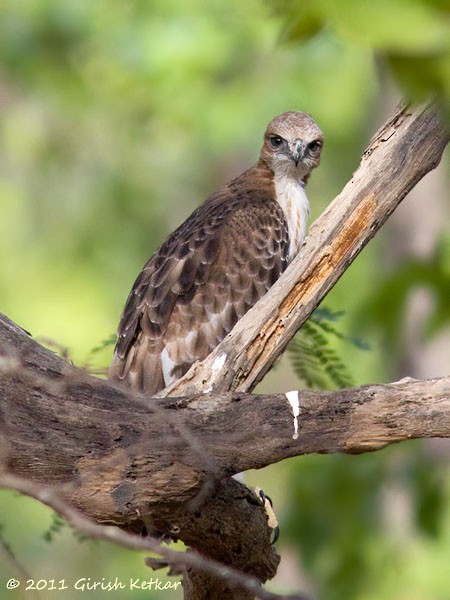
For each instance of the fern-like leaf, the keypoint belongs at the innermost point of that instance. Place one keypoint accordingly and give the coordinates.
(314, 361)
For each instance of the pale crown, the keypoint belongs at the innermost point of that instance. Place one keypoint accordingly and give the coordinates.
(292, 145)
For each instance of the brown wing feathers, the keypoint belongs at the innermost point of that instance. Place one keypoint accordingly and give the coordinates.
(203, 278)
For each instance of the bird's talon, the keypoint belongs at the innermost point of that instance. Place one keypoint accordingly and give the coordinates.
(272, 520)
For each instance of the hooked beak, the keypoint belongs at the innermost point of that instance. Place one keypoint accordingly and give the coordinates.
(297, 150)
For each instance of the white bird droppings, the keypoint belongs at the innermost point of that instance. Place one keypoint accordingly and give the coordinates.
(215, 369)
(219, 362)
(294, 402)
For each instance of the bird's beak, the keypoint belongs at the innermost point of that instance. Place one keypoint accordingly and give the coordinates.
(297, 150)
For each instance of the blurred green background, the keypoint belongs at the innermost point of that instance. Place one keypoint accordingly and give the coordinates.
(117, 118)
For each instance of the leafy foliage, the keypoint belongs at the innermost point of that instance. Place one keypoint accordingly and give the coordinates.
(99, 351)
(395, 289)
(314, 360)
(342, 510)
(57, 525)
(411, 37)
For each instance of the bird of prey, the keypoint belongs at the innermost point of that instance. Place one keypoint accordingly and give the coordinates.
(212, 269)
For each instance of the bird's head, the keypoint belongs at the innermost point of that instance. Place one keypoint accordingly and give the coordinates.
(292, 145)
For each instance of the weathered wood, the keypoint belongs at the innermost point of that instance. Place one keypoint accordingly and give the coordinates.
(180, 561)
(407, 147)
(130, 460)
(158, 465)
(122, 460)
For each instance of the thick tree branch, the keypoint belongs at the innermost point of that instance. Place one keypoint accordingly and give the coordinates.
(407, 147)
(124, 461)
(61, 425)
(179, 562)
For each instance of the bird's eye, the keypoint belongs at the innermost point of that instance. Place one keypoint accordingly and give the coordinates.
(315, 146)
(276, 141)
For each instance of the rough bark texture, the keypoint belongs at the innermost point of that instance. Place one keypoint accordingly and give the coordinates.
(160, 465)
(163, 465)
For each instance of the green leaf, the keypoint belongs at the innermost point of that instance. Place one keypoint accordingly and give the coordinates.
(422, 76)
(56, 525)
(398, 25)
(109, 341)
(386, 308)
(314, 361)
(302, 28)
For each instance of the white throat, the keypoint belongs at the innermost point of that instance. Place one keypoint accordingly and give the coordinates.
(291, 196)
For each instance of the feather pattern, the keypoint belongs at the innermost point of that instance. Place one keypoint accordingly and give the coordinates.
(213, 268)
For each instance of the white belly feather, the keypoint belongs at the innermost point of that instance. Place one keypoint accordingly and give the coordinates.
(291, 196)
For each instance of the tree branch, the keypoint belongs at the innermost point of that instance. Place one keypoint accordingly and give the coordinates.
(179, 561)
(102, 427)
(125, 461)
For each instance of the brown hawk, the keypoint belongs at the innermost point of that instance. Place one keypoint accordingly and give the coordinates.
(219, 262)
